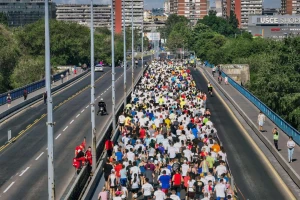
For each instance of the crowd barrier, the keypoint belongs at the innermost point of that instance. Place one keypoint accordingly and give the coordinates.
(37, 97)
(276, 119)
(18, 93)
(78, 186)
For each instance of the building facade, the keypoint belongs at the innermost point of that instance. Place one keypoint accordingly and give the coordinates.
(167, 6)
(290, 7)
(81, 14)
(275, 26)
(173, 6)
(243, 9)
(138, 13)
(22, 12)
(192, 9)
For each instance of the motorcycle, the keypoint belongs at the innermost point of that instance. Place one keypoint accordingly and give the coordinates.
(101, 111)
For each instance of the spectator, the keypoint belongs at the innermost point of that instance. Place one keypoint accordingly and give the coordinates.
(8, 100)
(275, 138)
(25, 94)
(261, 120)
(290, 145)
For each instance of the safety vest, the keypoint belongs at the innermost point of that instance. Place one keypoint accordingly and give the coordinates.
(276, 136)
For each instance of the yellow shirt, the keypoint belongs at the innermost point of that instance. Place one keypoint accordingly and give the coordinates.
(168, 122)
(182, 103)
(127, 121)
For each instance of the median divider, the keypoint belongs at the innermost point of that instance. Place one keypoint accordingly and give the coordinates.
(4, 115)
(85, 183)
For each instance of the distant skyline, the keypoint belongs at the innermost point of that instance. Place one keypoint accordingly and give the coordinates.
(149, 4)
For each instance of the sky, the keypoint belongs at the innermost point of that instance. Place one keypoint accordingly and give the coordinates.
(159, 3)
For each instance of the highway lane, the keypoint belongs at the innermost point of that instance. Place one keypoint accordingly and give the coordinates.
(252, 177)
(20, 121)
(32, 183)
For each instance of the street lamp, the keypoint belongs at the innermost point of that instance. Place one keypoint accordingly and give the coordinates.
(132, 48)
(93, 90)
(113, 67)
(50, 124)
(124, 59)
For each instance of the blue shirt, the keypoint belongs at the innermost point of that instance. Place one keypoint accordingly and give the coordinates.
(119, 155)
(165, 181)
(195, 132)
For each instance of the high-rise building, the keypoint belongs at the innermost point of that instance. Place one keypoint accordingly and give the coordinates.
(138, 13)
(226, 8)
(290, 7)
(173, 6)
(81, 14)
(167, 6)
(22, 12)
(192, 9)
(219, 9)
(243, 9)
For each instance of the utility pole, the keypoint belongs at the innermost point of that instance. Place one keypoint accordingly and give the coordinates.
(50, 123)
(124, 60)
(132, 48)
(113, 68)
(143, 41)
(93, 92)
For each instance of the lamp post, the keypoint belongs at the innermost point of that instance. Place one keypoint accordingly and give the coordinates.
(93, 91)
(50, 123)
(143, 41)
(113, 68)
(124, 60)
(132, 48)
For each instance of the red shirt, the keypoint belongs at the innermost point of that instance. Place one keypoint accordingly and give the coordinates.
(118, 168)
(177, 179)
(108, 145)
(142, 133)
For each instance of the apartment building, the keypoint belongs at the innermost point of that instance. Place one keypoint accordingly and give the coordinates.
(22, 12)
(242, 9)
(290, 7)
(81, 14)
(138, 13)
(192, 9)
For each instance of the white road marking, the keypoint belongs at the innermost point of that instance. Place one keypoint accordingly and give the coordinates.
(8, 187)
(71, 121)
(82, 111)
(65, 128)
(77, 115)
(39, 156)
(101, 93)
(87, 106)
(58, 136)
(47, 148)
(24, 171)
(98, 97)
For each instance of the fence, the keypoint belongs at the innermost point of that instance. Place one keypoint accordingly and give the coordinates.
(17, 93)
(78, 186)
(276, 119)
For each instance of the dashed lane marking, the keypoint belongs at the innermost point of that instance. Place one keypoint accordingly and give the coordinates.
(39, 156)
(71, 121)
(82, 111)
(65, 128)
(23, 172)
(8, 187)
(58, 136)
(77, 115)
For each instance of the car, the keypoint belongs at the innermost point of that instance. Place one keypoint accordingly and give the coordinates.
(98, 68)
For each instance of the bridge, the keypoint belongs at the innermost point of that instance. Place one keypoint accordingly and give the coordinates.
(259, 171)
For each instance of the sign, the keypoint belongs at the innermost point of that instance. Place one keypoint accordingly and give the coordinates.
(153, 36)
(276, 19)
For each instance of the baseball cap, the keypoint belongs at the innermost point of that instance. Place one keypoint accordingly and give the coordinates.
(112, 171)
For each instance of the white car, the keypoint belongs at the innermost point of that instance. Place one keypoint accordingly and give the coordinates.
(98, 68)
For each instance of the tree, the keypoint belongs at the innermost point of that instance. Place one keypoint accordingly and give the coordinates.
(3, 19)
(28, 70)
(172, 20)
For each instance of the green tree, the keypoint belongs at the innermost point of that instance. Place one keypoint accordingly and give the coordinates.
(28, 70)
(3, 19)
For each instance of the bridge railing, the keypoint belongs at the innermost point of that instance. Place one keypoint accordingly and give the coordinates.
(275, 118)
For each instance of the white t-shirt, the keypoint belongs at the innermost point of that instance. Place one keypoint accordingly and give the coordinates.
(130, 156)
(159, 195)
(220, 189)
(184, 169)
(122, 119)
(147, 189)
(135, 170)
(172, 152)
(187, 154)
(174, 197)
(221, 169)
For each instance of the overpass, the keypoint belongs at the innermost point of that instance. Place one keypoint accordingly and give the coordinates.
(258, 171)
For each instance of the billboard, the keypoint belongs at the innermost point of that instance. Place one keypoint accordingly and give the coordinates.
(152, 36)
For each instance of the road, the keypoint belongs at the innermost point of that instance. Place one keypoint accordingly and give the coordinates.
(24, 164)
(253, 178)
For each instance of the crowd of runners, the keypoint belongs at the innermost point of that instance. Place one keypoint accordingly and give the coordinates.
(168, 147)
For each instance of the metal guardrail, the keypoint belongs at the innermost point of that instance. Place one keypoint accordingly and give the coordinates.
(275, 118)
(18, 93)
(79, 186)
(37, 97)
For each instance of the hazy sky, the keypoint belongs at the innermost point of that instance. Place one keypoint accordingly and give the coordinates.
(159, 3)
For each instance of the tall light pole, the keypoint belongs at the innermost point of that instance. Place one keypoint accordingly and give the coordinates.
(124, 61)
(50, 124)
(93, 91)
(132, 48)
(113, 66)
(143, 40)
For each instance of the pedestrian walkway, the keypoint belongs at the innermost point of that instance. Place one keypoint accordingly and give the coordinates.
(252, 112)
(15, 102)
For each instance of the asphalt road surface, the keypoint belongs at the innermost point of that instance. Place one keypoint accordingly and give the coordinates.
(23, 173)
(253, 178)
